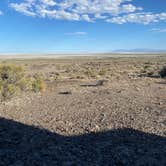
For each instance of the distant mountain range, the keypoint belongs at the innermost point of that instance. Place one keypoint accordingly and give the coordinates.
(140, 50)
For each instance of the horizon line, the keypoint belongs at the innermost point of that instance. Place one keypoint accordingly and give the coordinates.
(84, 52)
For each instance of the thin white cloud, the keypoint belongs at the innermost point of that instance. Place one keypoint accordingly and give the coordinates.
(76, 33)
(113, 11)
(86, 17)
(49, 2)
(24, 8)
(1, 13)
(85, 10)
(160, 30)
(143, 18)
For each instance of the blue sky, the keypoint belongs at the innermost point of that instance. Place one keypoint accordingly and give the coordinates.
(52, 26)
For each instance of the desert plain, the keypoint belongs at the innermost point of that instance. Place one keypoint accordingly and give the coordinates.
(94, 111)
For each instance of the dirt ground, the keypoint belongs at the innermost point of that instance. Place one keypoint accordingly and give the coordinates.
(95, 111)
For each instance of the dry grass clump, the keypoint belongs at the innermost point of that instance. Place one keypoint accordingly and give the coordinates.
(38, 84)
(8, 91)
(13, 81)
(90, 73)
(102, 72)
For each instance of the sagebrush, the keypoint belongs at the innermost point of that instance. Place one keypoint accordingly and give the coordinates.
(13, 81)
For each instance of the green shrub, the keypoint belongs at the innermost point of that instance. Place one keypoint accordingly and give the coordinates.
(150, 73)
(10, 74)
(25, 84)
(146, 67)
(38, 84)
(8, 91)
(162, 72)
(102, 72)
(13, 81)
(90, 73)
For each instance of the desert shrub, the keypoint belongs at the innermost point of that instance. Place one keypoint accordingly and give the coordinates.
(8, 91)
(150, 73)
(90, 73)
(25, 84)
(13, 81)
(10, 74)
(57, 76)
(162, 72)
(80, 77)
(102, 72)
(38, 84)
(143, 71)
(146, 67)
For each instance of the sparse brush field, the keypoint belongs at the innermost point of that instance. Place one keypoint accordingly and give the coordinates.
(62, 105)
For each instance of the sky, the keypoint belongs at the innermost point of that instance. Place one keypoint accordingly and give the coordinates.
(67, 26)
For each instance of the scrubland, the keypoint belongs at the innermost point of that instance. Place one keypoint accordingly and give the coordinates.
(83, 111)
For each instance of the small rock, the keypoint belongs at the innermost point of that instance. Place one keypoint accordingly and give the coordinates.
(65, 93)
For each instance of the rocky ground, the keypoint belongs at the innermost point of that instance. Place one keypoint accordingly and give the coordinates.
(93, 112)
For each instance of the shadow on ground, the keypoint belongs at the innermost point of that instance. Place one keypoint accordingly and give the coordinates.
(27, 145)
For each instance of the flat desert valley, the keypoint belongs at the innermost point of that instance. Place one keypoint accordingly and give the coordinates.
(97, 111)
